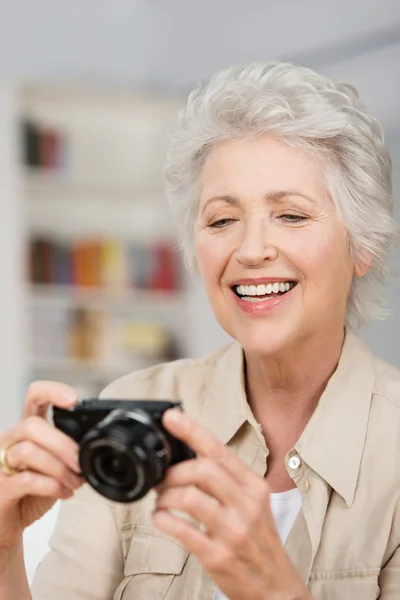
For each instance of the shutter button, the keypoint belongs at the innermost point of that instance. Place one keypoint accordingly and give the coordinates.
(294, 462)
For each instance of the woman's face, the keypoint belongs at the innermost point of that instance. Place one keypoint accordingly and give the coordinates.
(272, 252)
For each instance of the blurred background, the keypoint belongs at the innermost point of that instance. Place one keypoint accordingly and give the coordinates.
(91, 284)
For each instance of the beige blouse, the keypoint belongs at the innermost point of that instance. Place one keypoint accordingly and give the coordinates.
(345, 541)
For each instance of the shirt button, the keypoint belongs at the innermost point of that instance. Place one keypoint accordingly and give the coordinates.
(307, 485)
(294, 462)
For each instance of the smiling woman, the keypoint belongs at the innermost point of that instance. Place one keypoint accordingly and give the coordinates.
(322, 121)
(281, 183)
(265, 236)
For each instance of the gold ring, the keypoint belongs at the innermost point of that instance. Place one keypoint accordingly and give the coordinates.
(4, 466)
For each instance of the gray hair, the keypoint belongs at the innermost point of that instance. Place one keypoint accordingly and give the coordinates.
(304, 110)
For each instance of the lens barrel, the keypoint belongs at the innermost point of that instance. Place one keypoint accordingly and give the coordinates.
(125, 455)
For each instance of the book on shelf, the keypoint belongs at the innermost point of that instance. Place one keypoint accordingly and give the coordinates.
(86, 264)
(104, 263)
(42, 147)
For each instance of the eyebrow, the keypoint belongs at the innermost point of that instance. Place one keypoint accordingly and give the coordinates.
(275, 197)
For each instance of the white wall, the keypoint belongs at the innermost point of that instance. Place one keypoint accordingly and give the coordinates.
(179, 42)
(176, 41)
(11, 299)
(384, 336)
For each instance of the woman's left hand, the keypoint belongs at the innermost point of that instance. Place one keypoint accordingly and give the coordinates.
(238, 543)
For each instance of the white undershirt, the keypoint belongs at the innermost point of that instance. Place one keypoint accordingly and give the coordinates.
(285, 508)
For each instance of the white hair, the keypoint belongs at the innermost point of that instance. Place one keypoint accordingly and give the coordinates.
(304, 110)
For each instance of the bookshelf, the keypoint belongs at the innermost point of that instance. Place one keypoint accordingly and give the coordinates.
(99, 285)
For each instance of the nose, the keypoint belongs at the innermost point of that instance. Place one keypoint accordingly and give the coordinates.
(256, 244)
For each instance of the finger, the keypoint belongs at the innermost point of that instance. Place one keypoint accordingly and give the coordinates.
(251, 541)
(197, 504)
(227, 525)
(41, 433)
(249, 507)
(28, 483)
(42, 394)
(215, 557)
(183, 427)
(26, 456)
(188, 535)
(208, 476)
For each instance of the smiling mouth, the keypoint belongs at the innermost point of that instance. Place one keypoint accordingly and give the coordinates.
(257, 293)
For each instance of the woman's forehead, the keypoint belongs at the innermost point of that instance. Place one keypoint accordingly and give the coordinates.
(263, 167)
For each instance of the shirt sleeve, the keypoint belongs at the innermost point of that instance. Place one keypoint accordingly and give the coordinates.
(389, 578)
(86, 559)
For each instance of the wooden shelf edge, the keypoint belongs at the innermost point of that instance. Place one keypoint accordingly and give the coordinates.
(82, 295)
(91, 367)
(42, 183)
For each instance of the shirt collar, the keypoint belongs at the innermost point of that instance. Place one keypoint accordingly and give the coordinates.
(225, 408)
(333, 441)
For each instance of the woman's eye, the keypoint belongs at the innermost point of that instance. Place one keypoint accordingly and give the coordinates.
(221, 223)
(293, 218)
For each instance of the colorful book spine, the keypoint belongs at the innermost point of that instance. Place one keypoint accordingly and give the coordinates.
(104, 263)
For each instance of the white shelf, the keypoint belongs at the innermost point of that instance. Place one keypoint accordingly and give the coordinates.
(59, 185)
(90, 369)
(72, 296)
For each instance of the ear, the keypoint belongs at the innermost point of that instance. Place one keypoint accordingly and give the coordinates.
(363, 263)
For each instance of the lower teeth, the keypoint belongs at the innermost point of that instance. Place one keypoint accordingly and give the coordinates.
(260, 298)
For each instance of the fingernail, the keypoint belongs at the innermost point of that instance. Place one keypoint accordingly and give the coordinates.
(174, 415)
(70, 397)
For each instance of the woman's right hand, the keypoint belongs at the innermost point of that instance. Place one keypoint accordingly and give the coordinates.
(46, 461)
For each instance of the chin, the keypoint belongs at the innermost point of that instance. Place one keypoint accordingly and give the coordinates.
(265, 340)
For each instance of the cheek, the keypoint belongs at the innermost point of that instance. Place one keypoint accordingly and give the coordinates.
(211, 258)
(326, 258)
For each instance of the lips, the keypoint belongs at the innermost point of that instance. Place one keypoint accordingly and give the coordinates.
(260, 296)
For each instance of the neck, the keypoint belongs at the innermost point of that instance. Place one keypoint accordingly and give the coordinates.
(290, 385)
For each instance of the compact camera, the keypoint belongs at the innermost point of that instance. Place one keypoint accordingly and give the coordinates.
(124, 449)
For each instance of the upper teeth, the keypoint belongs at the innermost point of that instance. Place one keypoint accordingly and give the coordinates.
(261, 290)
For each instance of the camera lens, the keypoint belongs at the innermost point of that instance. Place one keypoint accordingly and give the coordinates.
(114, 468)
(124, 456)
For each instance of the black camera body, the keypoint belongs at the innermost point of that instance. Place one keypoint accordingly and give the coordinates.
(124, 448)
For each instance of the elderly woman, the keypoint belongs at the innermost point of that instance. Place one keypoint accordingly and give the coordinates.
(282, 186)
